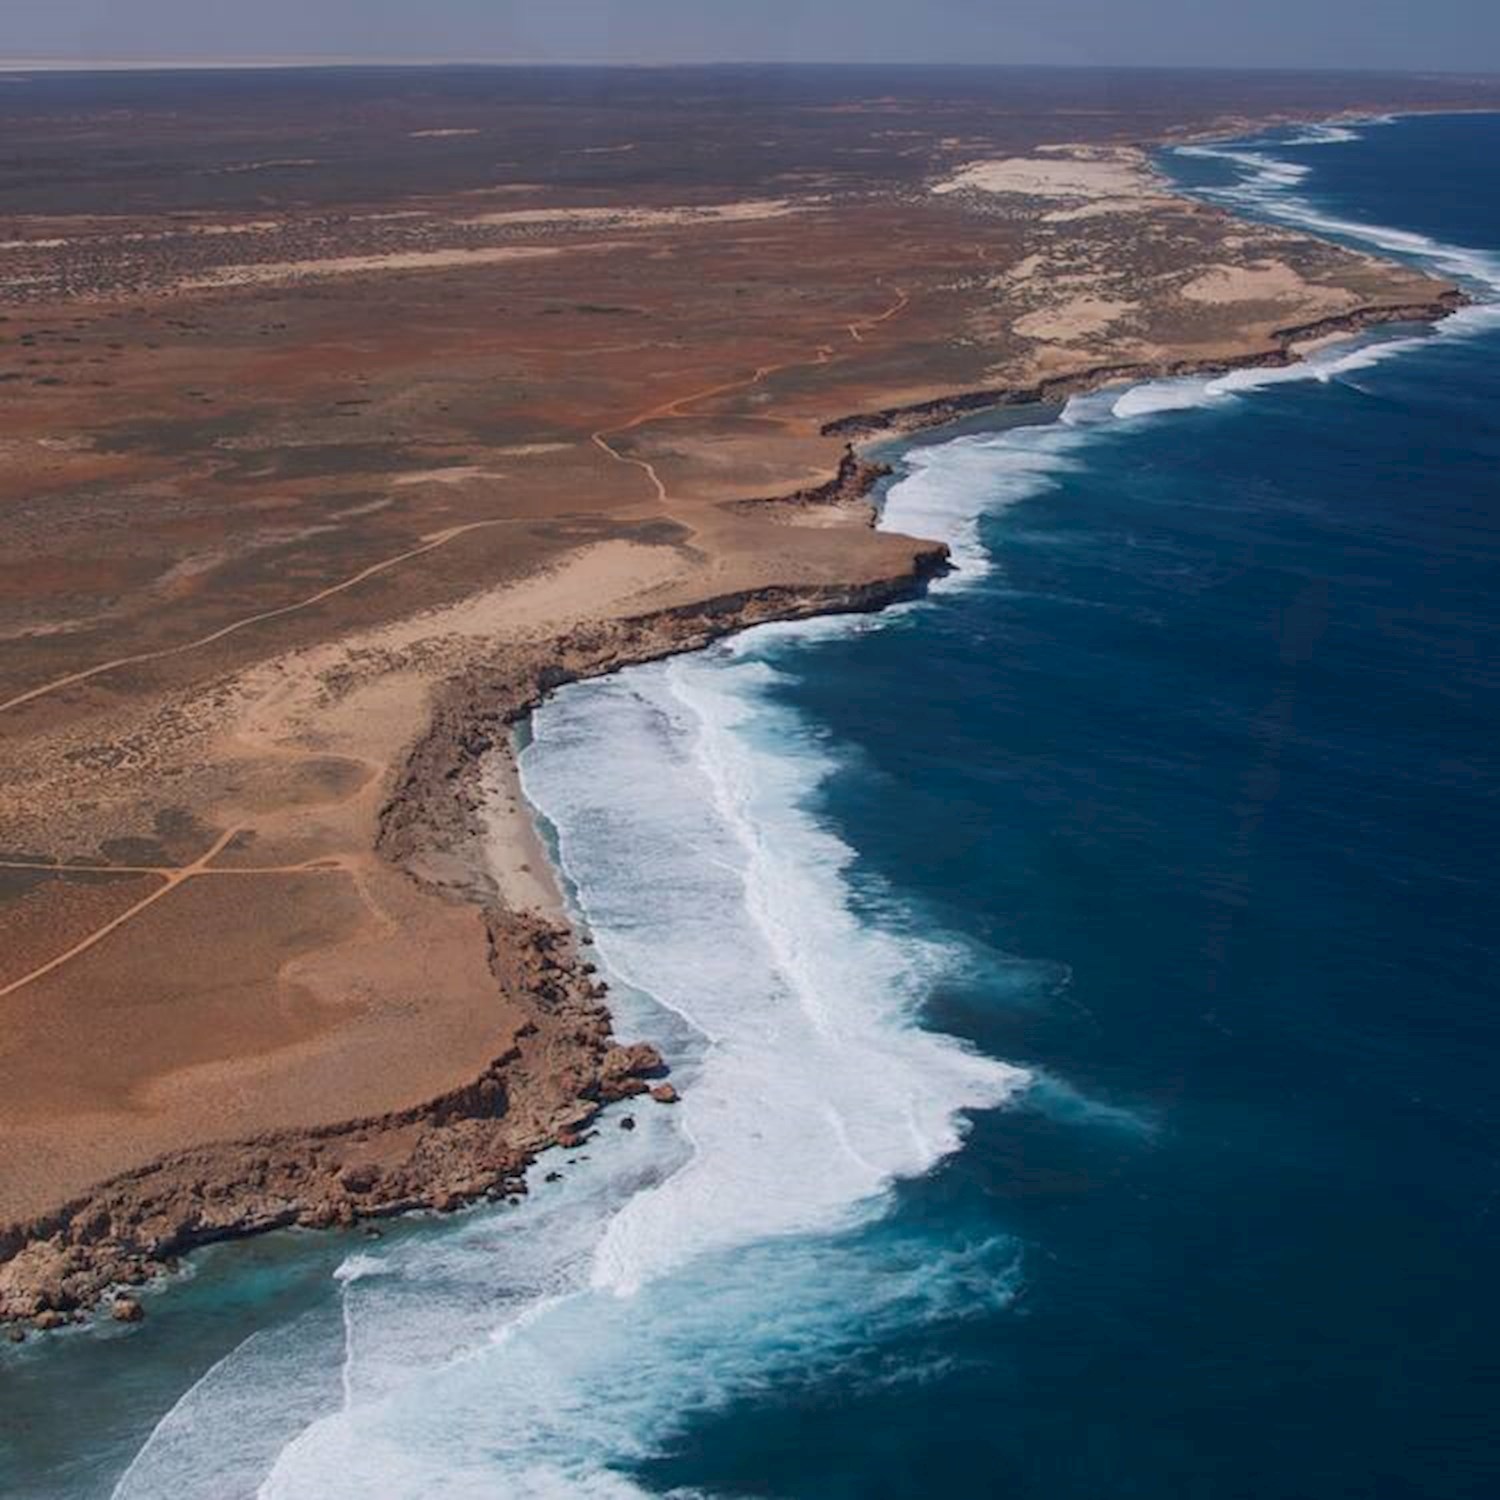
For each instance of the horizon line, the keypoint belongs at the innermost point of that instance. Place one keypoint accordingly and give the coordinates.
(42, 65)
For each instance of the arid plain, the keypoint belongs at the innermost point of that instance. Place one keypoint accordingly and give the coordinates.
(343, 414)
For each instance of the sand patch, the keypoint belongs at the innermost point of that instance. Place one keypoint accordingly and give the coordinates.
(641, 218)
(1083, 317)
(1260, 281)
(463, 473)
(253, 226)
(513, 852)
(459, 474)
(1023, 271)
(1100, 208)
(1085, 173)
(359, 265)
(264, 166)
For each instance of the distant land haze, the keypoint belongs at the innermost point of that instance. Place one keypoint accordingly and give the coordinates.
(1454, 35)
(191, 64)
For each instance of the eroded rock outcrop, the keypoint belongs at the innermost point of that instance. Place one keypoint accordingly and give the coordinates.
(472, 1144)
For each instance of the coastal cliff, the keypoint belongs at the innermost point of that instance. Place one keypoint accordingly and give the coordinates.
(474, 1143)
(301, 751)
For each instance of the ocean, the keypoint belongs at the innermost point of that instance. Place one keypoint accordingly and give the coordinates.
(1080, 982)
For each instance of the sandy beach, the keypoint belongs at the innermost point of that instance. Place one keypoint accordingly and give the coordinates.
(307, 517)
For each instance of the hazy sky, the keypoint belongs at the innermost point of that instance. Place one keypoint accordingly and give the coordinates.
(1453, 34)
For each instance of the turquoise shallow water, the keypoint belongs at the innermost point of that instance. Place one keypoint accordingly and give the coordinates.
(1082, 982)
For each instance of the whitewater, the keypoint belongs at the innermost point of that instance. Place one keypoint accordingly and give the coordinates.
(547, 1349)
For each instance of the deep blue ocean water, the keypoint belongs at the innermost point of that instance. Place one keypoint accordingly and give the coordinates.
(1179, 796)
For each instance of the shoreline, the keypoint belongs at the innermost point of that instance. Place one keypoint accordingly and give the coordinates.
(438, 826)
(1293, 345)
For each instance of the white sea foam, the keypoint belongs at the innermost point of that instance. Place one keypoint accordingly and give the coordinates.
(1187, 392)
(806, 1005)
(946, 490)
(1324, 135)
(225, 1431)
(568, 1398)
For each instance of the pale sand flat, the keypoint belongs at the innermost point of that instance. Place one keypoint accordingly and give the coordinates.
(1082, 317)
(1098, 174)
(1268, 280)
(358, 265)
(642, 218)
